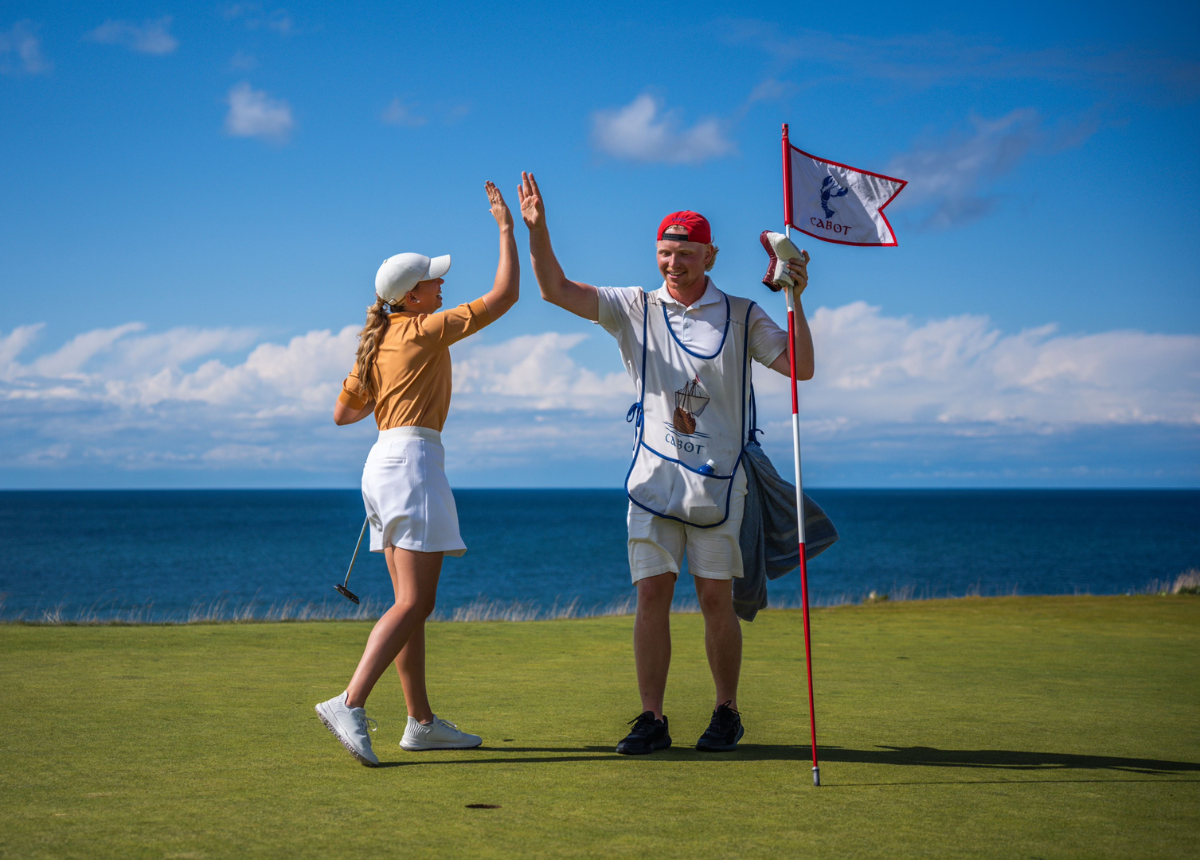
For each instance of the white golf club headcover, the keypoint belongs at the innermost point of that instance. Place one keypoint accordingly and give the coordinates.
(780, 249)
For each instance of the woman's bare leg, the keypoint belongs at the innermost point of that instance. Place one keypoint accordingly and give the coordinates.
(417, 577)
(411, 666)
(411, 662)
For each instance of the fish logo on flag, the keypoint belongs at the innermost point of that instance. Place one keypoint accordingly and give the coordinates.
(836, 202)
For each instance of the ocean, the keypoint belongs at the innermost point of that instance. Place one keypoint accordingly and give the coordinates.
(168, 555)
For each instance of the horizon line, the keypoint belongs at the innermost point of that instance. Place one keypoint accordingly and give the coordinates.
(807, 487)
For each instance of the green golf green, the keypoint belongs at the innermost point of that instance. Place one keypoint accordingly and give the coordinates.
(1009, 727)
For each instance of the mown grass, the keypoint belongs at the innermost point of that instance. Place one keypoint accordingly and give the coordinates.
(1006, 727)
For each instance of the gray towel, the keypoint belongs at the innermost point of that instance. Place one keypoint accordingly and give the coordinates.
(770, 545)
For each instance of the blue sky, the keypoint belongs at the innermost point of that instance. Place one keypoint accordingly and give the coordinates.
(196, 199)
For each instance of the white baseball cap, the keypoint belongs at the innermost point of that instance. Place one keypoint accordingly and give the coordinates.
(402, 272)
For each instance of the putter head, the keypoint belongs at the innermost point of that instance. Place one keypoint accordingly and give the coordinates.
(347, 593)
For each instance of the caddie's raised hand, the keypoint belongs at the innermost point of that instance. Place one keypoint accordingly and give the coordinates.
(500, 210)
(798, 269)
(532, 209)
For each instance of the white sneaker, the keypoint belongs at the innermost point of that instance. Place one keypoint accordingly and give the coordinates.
(349, 725)
(438, 735)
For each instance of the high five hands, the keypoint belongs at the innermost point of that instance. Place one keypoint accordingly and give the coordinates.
(533, 212)
(532, 209)
(500, 210)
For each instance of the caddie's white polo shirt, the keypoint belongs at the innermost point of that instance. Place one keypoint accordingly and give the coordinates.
(698, 327)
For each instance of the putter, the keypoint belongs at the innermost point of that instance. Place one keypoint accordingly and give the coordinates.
(342, 589)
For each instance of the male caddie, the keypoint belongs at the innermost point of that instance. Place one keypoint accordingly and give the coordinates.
(687, 347)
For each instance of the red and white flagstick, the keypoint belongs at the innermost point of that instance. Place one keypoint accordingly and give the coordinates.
(791, 316)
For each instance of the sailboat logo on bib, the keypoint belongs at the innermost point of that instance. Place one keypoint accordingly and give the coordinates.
(690, 402)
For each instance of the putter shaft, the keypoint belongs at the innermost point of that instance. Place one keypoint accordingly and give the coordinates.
(342, 589)
(356, 548)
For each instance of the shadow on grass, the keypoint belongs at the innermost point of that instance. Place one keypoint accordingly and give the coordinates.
(1005, 759)
(888, 755)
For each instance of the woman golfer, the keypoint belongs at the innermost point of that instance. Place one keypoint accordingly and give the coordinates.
(402, 376)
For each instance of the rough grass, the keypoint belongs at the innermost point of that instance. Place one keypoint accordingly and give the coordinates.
(1005, 727)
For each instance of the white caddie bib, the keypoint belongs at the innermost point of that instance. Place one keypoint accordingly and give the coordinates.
(691, 419)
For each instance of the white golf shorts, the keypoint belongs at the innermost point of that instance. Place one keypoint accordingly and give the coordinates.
(658, 545)
(406, 494)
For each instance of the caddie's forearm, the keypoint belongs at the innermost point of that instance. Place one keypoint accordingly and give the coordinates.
(805, 361)
(546, 268)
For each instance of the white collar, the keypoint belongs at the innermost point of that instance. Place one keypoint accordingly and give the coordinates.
(711, 295)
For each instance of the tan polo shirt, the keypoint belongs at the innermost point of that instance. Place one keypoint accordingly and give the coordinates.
(412, 367)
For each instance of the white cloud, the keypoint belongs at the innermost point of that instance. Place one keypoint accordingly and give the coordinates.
(301, 377)
(149, 37)
(456, 112)
(962, 371)
(537, 372)
(254, 16)
(951, 179)
(253, 113)
(242, 62)
(413, 115)
(942, 58)
(14, 344)
(124, 398)
(398, 113)
(21, 50)
(644, 131)
(101, 356)
(770, 90)
(70, 359)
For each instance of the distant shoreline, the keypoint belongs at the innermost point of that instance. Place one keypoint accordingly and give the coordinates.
(605, 489)
(1185, 586)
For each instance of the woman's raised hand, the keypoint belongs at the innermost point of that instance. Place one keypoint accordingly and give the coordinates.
(532, 209)
(500, 209)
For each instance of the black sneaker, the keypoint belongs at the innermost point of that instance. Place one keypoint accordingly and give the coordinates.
(647, 736)
(724, 731)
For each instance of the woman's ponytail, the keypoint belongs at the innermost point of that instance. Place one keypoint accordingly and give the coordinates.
(368, 345)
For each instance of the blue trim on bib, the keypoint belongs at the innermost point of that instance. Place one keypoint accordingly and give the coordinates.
(724, 334)
(636, 413)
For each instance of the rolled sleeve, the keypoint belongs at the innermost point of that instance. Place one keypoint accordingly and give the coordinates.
(348, 398)
(353, 394)
(453, 325)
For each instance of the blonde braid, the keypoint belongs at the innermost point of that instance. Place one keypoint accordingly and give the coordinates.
(368, 345)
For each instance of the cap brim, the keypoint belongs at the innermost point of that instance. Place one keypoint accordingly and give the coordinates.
(438, 267)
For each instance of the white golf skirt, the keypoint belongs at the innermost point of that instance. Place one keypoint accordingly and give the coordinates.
(406, 494)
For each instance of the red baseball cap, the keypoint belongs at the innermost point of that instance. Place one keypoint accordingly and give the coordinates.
(694, 223)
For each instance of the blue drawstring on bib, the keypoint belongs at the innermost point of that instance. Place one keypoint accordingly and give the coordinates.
(635, 415)
(754, 431)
